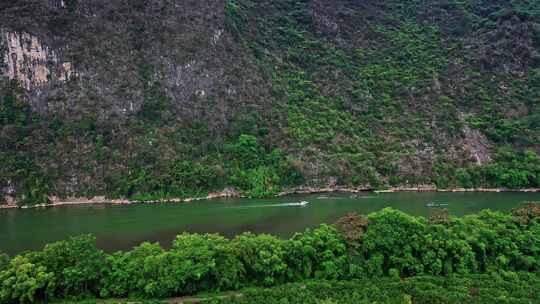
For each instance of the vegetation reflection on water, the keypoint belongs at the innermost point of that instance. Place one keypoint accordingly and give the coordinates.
(121, 227)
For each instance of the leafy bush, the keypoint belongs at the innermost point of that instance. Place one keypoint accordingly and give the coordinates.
(319, 254)
(262, 258)
(76, 263)
(25, 282)
(523, 288)
(191, 178)
(392, 241)
(210, 262)
(128, 273)
(257, 172)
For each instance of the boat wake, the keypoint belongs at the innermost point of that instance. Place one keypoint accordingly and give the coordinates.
(434, 204)
(300, 204)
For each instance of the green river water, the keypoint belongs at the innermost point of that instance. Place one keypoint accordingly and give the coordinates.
(122, 227)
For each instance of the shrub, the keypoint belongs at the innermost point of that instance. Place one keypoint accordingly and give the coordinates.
(393, 241)
(210, 262)
(262, 257)
(127, 273)
(25, 282)
(320, 254)
(76, 263)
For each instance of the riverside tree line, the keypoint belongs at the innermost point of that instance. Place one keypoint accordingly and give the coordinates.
(386, 246)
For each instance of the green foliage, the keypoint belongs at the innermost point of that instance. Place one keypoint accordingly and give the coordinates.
(262, 258)
(25, 282)
(18, 128)
(249, 167)
(259, 172)
(210, 263)
(235, 17)
(392, 242)
(401, 66)
(77, 265)
(522, 288)
(156, 104)
(498, 242)
(195, 263)
(191, 178)
(319, 254)
(444, 252)
(510, 169)
(247, 152)
(128, 273)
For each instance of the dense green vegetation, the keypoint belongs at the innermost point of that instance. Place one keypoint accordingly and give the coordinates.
(360, 103)
(19, 127)
(245, 164)
(490, 254)
(517, 288)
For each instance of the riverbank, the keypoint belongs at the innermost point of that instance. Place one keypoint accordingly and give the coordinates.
(232, 193)
(98, 200)
(427, 188)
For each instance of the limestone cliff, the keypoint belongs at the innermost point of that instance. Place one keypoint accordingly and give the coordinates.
(110, 96)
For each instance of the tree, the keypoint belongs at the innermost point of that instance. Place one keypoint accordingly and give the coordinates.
(352, 226)
(77, 265)
(464, 178)
(320, 254)
(443, 252)
(210, 262)
(188, 177)
(527, 213)
(128, 273)
(19, 126)
(262, 257)
(392, 241)
(247, 152)
(498, 242)
(23, 281)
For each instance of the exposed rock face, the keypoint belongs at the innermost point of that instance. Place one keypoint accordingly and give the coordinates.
(31, 62)
(475, 143)
(113, 49)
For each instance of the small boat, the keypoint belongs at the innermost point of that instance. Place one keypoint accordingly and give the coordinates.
(303, 204)
(432, 204)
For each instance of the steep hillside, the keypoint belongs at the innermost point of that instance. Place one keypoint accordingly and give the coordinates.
(136, 98)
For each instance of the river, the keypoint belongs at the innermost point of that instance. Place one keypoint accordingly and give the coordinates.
(119, 227)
